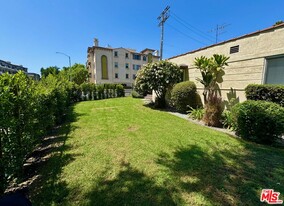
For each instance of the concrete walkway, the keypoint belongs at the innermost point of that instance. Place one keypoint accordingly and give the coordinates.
(184, 116)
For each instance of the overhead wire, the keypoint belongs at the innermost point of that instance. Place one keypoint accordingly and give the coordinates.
(192, 29)
(185, 34)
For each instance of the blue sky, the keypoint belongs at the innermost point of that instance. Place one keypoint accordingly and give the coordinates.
(32, 31)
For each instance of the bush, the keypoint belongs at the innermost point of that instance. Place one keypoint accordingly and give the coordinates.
(135, 94)
(228, 121)
(158, 76)
(259, 121)
(120, 91)
(213, 111)
(197, 113)
(184, 95)
(266, 92)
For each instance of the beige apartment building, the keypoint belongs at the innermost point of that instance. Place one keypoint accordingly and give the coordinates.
(257, 58)
(116, 65)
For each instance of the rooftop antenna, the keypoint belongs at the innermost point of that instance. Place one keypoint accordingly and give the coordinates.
(219, 30)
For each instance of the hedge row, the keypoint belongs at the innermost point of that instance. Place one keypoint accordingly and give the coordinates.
(30, 109)
(259, 121)
(90, 91)
(266, 92)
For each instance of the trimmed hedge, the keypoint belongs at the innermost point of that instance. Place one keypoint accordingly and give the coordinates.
(259, 121)
(29, 110)
(184, 96)
(266, 92)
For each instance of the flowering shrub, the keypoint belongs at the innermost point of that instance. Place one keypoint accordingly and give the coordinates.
(157, 76)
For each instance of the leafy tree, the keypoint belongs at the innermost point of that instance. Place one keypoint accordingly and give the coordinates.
(77, 73)
(212, 71)
(49, 70)
(157, 76)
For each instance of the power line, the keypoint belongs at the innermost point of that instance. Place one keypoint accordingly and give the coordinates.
(193, 29)
(163, 18)
(185, 34)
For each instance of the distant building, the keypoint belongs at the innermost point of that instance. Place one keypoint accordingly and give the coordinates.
(34, 76)
(255, 58)
(116, 65)
(6, 66)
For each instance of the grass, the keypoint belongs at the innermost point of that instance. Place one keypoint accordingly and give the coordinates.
(118, 152)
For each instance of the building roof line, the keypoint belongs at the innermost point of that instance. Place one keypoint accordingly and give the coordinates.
(230, 40)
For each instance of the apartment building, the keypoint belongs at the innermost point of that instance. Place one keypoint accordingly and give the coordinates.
(116, 65)
(6, 66)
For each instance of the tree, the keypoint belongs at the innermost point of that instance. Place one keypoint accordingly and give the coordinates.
(212, 71)
(77, 73)
(157, 76)
(49, 70)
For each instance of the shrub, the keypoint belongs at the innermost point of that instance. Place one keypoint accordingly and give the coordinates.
(213, 111)
(228, 121)
(259, 121)
(266, 92)
(184, 95)
(120, 91)
(197, 113)
(135, 94)
(157, 76)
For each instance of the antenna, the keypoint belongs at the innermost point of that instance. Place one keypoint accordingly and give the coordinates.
(219, 30)
(163, 18)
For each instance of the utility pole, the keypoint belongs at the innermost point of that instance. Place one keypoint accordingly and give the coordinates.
(219, 30)
(163, 18)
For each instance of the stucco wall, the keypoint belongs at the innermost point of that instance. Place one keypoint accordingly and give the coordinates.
(245, 67)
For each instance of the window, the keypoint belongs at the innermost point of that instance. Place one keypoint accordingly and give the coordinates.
(126, 65)
(275, 71)
(127, 76)
(144, 58)
(126, 55)
(116, 54)
(136, 67)
(150, 58)
(104, 67)
(134, 76)
(234, 49)
(116, 75)
(116, 64)
(136, 56)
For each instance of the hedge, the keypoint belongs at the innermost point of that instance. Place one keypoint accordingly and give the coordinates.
(266, 92)
(29, 110)
(259, 121)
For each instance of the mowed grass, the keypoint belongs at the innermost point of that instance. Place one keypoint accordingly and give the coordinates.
(119, 152)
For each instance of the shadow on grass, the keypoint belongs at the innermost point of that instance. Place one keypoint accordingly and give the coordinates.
(130, 187)
(48, 189)
(226, 177)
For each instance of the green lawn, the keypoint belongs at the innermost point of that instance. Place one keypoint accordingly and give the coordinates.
(119, 152)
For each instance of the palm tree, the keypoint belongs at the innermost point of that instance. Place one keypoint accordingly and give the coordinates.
(212, 72)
